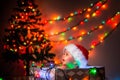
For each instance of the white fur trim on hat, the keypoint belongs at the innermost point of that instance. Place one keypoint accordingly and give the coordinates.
(77, 55)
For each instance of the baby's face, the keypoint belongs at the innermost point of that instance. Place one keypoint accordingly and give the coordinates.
(67, 57)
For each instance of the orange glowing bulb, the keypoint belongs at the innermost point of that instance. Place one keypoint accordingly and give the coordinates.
(50, 22)
(104, 6)
(86, 78)
(71, 14)
(66, 41)
(83, 32)
(74, 28)
(22, 17)
(89, 9)
(87, 16)
(46, 35)
(54, 18)
(56, 32)
(70, 78)
(16, 17)
(31, 42)
(41, 35)
(115, 24)
(12, 26)
(24, 66)
(101, 26)
(101, 38)
(61, 38)
(15, 50)
(14, 45)
(64, 18)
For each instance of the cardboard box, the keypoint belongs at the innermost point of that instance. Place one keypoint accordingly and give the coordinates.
(95, 73)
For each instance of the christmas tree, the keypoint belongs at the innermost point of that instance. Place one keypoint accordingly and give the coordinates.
(25, 39)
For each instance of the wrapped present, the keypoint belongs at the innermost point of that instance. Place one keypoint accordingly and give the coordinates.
(94, 73)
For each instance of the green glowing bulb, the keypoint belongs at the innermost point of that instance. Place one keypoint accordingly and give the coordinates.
(93, 71)
(1, 78)
(103, 22)
(63, 34)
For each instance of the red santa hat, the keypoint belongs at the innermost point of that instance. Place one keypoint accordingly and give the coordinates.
(79, 53)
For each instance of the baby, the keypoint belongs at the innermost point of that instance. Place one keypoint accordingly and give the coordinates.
(74, 56)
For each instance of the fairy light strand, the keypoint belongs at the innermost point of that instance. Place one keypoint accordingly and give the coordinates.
(105, 37)
(79, 12)
(85, 20)
(94, 29)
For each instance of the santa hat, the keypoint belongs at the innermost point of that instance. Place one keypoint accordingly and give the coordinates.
(79, 53)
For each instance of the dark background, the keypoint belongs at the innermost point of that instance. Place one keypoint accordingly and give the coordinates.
(106, 54)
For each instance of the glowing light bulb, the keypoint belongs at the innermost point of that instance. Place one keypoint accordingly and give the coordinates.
(75, 13)
(33, 10)
(97, 12)
(22, 17)
(99, 4)
(15, 50)
(103, 22)
(50, 22)
(69, 19)
(63, 34)
(71, 14)
(106, 33)
(24, 66)
(87, 16)
(70, 38)
(61, 38)
(83, 32)
(81, 22)
(92, 46)
(104, 6)
(91, 4)
(94, 14)
(58, 18)
(24, 43)
(86, 20)
(93, 71)
(89, 9)
(80, 38)
(74, 28)
(118, 12)
(101, 26)
(66, 41)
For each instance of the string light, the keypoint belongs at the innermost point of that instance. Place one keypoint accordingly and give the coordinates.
(84, 33)
(101, 39)
(79, 12)
(81, 22)
(93, 71)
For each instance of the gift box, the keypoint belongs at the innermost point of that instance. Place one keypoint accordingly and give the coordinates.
(94, 73)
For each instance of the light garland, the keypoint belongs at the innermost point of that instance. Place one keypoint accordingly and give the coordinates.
(97, 5)
(81, 22)
(106, 35)
(113, 22)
